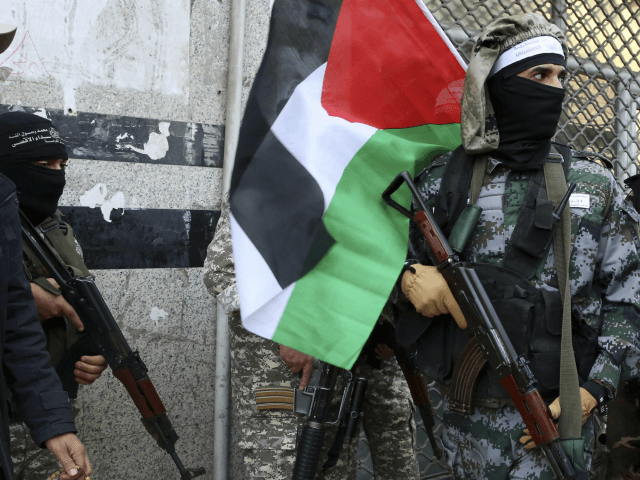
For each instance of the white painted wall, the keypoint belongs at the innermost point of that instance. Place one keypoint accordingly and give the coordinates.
(163, 60)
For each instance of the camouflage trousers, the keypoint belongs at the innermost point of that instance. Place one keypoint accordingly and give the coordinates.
(268, 437)
(485, 445)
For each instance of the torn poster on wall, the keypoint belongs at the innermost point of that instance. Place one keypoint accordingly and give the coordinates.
(141, 45)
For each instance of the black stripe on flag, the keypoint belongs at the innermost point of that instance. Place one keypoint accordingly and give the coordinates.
(284, 224)
(274, 199)
(142, 238)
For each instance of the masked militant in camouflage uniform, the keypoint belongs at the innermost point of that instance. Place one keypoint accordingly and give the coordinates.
(617, 454)
(268, 437)
(511, 105)
(40, 178)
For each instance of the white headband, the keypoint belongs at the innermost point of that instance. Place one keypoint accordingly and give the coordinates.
(533, 46)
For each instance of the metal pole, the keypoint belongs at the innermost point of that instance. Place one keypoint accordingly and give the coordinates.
(232, 129)
(626, 133)
(558, 14)
(234, 90)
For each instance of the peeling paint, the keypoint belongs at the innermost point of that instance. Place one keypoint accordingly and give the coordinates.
(186, 216)
(97, 196)
(41, 112)
(156, 313)
(157, 145)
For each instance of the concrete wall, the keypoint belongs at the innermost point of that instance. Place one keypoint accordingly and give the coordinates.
(138, 87)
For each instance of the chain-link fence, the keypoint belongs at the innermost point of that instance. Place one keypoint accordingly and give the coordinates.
(601, 109)
(601, 112)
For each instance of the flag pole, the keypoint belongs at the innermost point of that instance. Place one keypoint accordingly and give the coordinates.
(232, 130)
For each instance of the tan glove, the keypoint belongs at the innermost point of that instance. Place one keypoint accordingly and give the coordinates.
(588, 404)
(430, 294)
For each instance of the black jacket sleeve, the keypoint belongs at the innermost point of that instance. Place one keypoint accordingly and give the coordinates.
(42, 403)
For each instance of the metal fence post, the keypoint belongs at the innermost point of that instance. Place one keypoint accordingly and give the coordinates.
(626, 133)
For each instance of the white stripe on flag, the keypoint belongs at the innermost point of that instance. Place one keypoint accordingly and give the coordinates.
(324, 145)
(262, 301)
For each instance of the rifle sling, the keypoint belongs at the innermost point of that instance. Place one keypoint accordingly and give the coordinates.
(570, 422)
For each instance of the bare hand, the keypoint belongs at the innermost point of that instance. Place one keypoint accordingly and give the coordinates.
(297, 361)
(89, 369)
(383, 351)
(50, 305)
(70, 453)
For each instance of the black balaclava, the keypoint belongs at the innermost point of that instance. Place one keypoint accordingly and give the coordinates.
(527, 113)
(26, 138)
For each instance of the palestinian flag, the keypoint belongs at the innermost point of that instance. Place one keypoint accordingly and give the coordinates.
(349, 94)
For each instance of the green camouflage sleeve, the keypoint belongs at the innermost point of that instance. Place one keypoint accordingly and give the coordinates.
(618, 276)
(219, 270)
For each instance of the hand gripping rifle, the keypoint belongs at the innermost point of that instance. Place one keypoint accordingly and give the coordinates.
(103, 331)
(315, 402)
(510, 369)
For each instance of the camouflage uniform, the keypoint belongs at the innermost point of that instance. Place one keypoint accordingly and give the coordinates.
(617, 455)
(269, 436)
(604, 259)
(30, 461)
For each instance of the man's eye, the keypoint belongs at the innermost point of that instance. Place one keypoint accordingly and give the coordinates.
(63, 165)
(538, 76)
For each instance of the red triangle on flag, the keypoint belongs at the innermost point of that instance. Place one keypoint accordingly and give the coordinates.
(389, 67)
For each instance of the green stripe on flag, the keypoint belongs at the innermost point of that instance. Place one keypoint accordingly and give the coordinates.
(333, 308)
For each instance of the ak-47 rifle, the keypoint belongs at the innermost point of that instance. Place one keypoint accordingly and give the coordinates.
(509, 368)
(105, 335)
(315, 402)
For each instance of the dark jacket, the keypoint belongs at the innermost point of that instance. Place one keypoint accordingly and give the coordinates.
(42, 403)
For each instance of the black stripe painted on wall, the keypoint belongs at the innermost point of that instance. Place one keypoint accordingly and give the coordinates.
(109, 137)
(142, 238)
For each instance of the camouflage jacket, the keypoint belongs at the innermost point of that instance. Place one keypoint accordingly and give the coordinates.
(60, 332)
(219, 271)
(605, 267)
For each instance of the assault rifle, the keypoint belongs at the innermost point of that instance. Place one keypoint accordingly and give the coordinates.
(509, 368)
(315, 402)
(105, 335)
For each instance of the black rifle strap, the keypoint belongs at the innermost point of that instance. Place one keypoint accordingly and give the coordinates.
(454, 190)
(334, 452)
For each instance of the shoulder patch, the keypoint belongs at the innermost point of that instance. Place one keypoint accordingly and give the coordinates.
(593, 157)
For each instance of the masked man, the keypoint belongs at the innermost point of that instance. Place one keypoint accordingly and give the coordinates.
(33, 157)
(511, 105)
(268, 437)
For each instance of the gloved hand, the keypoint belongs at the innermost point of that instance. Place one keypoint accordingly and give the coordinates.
(430, 294)
(588, 404)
